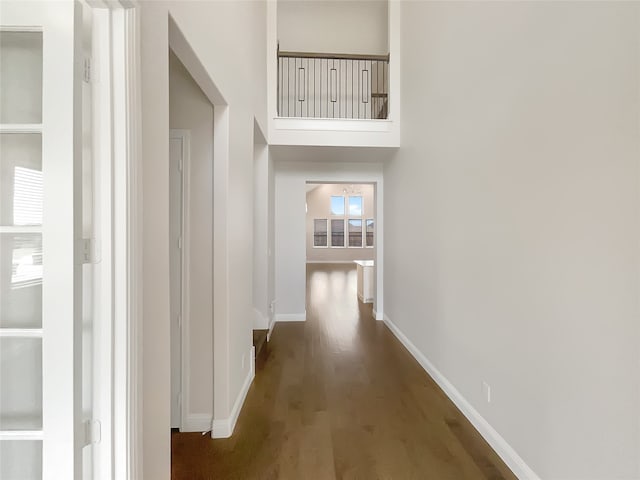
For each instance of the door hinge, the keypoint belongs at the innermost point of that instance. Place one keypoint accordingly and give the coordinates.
(181, 164)
(86, 71)
(92, 432)
(87, 251)
(180, 242)
(180, 320)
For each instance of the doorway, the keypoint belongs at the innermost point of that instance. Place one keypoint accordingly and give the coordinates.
(341, 236)
(191, 120)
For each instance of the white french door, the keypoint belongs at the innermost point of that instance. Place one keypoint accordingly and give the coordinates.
(41, 254)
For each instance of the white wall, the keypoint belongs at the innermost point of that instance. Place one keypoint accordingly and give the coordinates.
(519, 176)
(333, 26)
(190, 109)
(271, 266)
(154, 44)
(318, 201)
(262, 232)
(290, 241)
(291, 177)
(222, 35)
(335, 132)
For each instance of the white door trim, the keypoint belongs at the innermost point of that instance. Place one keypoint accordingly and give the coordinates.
(221, 381)
(127, 241)
(122, 377)
(378, 243)
(185, 137)
(103, 313)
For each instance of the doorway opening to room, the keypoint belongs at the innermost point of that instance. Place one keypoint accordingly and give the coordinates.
(341, 251)
(191, 116)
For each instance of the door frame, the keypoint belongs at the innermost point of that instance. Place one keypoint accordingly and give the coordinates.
(378, 202)
(121, 379)
(185, 270)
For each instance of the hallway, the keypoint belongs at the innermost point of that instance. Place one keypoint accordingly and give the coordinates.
(338, 397)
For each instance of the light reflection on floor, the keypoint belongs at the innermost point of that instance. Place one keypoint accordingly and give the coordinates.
(332, 300)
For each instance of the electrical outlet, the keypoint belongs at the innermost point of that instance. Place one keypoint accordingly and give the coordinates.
(486, 391)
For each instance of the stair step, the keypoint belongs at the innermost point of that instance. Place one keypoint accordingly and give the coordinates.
(260, 342)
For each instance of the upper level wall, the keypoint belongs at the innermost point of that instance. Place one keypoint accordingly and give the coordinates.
(329, 131)
(334, 26)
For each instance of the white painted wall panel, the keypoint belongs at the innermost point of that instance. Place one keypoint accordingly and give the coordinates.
(333, 26)
(519, 173)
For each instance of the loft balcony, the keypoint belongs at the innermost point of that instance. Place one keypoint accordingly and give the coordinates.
(333, 85)
(318, 97)
(333, 99)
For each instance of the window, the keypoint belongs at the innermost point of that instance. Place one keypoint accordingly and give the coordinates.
(320, 232)
(355, 232)
(337, 205)
(346, 225)
(355, 206)
(369, 232)
(337, 232)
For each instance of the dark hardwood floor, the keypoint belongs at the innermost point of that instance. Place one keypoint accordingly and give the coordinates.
(338, 397)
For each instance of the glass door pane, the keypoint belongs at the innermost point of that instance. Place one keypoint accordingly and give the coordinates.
(21, 259)
(21, 380)
(21, 179)
(20, 77)
(21, 460)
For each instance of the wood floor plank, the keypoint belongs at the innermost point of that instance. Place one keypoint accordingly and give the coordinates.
(339, 398)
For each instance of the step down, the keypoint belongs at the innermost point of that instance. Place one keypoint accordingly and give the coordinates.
(260, 344)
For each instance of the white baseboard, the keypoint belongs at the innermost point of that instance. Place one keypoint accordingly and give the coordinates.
(364, 300)
(290, 317)
(499, 444)
(220, 429)
(223, 428)
(271, 325)
(285, 317)
(197, 422)
(378, 315)
(329, 261)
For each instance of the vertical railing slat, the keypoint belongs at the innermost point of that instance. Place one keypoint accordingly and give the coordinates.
(324, 86)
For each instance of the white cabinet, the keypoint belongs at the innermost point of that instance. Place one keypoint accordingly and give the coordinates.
(365, 280)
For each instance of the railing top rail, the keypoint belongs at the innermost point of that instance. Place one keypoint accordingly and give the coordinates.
(335, 56)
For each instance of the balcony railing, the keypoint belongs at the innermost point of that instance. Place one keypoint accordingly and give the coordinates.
(333, 85)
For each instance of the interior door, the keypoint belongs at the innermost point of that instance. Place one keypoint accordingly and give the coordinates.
(41, 430)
